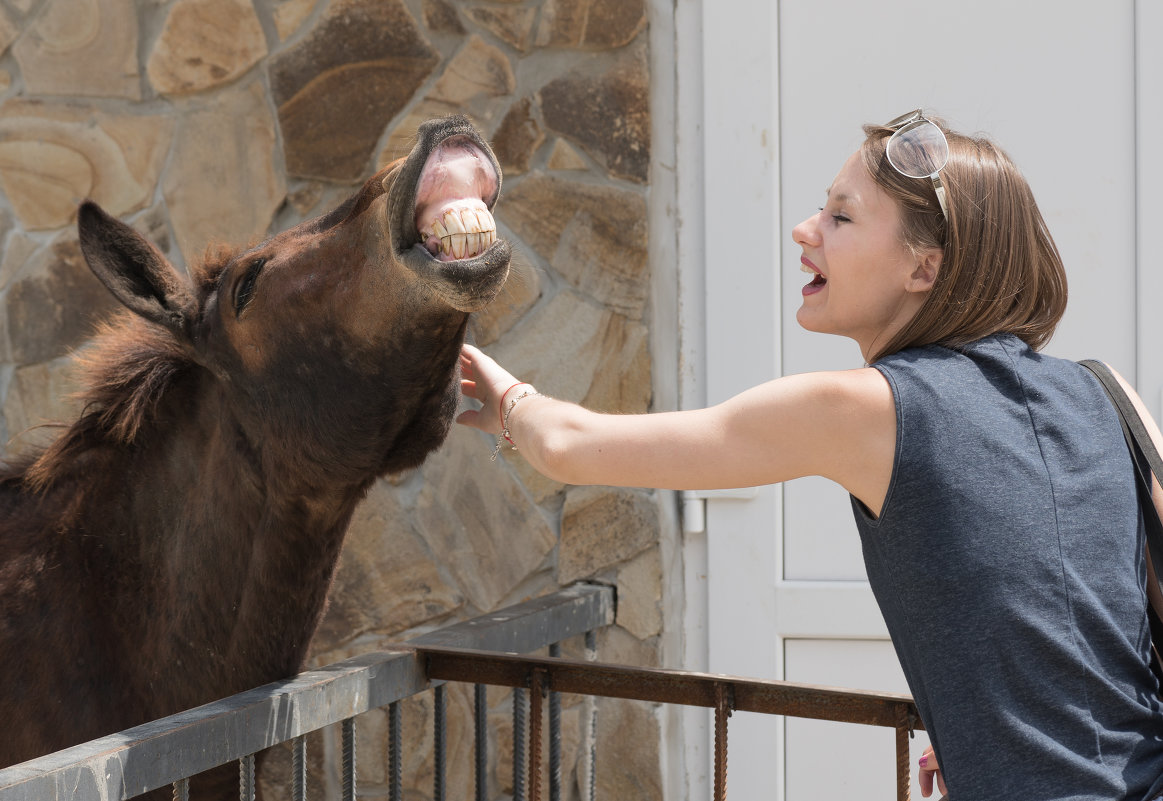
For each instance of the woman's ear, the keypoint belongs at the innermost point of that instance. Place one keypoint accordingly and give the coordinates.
(925, 273)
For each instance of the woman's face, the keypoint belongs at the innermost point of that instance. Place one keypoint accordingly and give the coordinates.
(866, 284)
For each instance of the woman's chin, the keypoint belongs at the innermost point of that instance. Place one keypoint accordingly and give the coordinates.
(809, 321)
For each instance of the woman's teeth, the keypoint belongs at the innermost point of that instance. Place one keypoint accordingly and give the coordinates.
(461, 232)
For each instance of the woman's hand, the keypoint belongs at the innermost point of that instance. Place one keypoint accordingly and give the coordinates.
(484, 380)
(929, 770)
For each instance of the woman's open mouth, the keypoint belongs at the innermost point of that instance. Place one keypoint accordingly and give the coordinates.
(818, 280)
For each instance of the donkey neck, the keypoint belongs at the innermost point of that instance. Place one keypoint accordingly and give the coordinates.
(247, 555)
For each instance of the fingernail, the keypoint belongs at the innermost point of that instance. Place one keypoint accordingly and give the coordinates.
(924, 761)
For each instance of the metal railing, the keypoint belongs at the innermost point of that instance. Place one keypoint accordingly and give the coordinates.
(483, 651)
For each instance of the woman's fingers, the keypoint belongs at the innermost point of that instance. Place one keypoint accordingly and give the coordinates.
(930, 770)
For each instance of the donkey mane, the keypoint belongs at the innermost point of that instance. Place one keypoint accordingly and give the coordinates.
(127, 370)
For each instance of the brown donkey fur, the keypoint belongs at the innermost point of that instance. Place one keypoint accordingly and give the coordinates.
(176, 543)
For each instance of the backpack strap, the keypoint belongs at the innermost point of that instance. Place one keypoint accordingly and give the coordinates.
(1148, 465)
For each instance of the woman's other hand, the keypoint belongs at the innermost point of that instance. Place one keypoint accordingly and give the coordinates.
(930, 770)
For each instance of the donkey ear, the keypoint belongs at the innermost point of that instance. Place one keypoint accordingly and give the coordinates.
(134, 270)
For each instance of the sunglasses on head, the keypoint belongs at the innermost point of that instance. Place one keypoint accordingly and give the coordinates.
(918, 149)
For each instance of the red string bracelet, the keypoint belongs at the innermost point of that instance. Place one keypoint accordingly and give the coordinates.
(501, 406)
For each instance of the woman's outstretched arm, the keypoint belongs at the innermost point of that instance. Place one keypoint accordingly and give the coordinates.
(841, 425)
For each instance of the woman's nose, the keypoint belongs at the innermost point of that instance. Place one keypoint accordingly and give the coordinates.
(806, 233)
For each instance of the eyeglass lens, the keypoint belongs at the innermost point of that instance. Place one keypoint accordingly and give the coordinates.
(919, 149)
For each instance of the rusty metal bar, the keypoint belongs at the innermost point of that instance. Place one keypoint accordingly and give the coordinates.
(903, 787)
(299, 768)
(722, 712)
(182, 790)
(671, 686)
(395, 759)
(589, 791)
(519, 744)
(347, 729)
(481, 745)
(246, 778)
(535, 691)
(440, 742)
(554, 734)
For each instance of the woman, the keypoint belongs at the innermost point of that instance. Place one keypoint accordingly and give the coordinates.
(991, 485)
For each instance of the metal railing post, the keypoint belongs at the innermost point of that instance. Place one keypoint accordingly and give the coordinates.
(246, 778)
(439, 742)
(299, 768)
(348, 760)
(554, 735)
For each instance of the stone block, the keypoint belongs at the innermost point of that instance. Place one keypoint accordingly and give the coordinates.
(517, 138)
(81, 47)
(40, 396)
(619, 646)
(223, 183)
(478, 522)
(640, 595)
(204, 44)
(53, 156)
(8, 30)
(607, 113)
(337, 89)
(440, 17)
(601, 527)
(594, 236)
(574, 350)
(518, 295)
(564, 157)
(512, 25)
(469, 85)
(290, 16)
(18, 252)
(628, 750)
(556, 347)
(479, 70)
(55, 303)
(386, 580)
(623, 382)
(591, 24)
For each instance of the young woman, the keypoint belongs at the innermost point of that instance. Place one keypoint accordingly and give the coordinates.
(991, 485)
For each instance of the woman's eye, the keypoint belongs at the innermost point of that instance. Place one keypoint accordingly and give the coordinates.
(840, 218)
(244, 289)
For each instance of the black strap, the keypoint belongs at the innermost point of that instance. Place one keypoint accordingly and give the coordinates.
(1147, 462)
(1146, 457)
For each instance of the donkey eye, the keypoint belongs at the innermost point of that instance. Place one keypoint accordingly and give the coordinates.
(244, 289)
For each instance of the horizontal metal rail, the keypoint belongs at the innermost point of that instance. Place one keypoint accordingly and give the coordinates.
(161, 752)
(722, 693)
(670, 686)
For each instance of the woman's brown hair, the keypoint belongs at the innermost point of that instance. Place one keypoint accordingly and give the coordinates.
(1000, 271)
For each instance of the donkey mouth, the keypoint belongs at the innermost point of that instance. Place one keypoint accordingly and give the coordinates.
(454, 195)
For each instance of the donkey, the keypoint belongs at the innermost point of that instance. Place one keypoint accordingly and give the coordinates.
(175, 544)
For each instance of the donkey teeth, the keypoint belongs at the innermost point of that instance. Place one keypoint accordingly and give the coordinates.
(464, 232)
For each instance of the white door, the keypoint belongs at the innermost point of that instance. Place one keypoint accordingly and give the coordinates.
(1068, 89)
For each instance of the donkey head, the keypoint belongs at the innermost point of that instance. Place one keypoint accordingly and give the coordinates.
(334, 344)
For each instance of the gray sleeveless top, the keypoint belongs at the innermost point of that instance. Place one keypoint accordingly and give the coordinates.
(1008, 564)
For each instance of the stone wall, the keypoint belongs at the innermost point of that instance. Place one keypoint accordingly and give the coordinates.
(224, 120)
